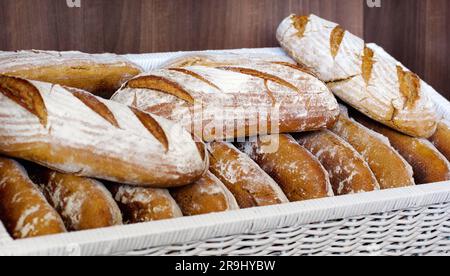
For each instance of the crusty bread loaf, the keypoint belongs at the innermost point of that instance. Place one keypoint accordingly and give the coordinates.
(249, 184)
(140, 204)
(101, 74)
(299, 174)
(23, 208)
(208, 195)
(349, 173)
(234, 101)
(219, 59)
(82, 203)
(74, 132)
(363, 76)
(428, 164)
(441, 138)
(389, 167)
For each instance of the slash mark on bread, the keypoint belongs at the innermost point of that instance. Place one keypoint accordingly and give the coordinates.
(261, 75)
(367, 64)
(301, 68)
(96, 105)
(152, 126)
(195, 75)
(26, 95)
(161, 84)
(337, 35)
(300, 23)
(409, 86)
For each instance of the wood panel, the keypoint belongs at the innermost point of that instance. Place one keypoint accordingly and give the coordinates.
(416, 33)
(158, 25)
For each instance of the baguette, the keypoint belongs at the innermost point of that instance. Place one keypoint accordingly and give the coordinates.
(140, 204)
(234, 101)
(389, 167)
(82, 203)
(101, 74)
(208, 195)
(73, 132)
(349, 173)
(363, 76)
(428, 164)
(441, 139)
(299, 174)
(249, 184)
(224, 59)
(23, 208)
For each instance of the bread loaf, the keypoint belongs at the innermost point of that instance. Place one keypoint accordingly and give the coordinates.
(361, 75)
(428, 164)
(82, 203)
(389, 167)
(349, 173)
(249, 184)
(299, 174)
(140, 204)
(23, 209)
(224, 58)
(101, 74)
(441, 139)
(234, 101)
(73, 132)
(208, 195)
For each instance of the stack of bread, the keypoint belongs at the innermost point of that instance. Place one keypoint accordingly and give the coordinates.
(91, 141)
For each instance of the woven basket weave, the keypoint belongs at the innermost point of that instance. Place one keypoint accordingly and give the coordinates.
(407, 221)
(419, 231)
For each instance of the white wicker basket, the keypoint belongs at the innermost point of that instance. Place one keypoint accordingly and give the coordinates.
(406, 221)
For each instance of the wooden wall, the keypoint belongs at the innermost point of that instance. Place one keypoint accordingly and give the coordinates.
(415, 31)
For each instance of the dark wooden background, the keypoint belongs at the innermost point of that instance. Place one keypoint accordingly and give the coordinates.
(414, 31)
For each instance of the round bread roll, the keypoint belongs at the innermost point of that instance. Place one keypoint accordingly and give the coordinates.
(441, 139)
(208, 195)
(140, 204)
(249, 184)
(349, 173)
(299, 174)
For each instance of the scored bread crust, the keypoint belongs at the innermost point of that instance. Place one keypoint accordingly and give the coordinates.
(141, 204)
(389, 167)
(23, 208)
(429, 165)
(441, 139)
(259, 98)
(74, 132)
(223, 59)
(249, 184)
(100, 74)
(364, 76)
(299, 174)
(349, 173)
(208, 195)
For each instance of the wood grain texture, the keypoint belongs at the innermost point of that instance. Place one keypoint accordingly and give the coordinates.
(416, 33)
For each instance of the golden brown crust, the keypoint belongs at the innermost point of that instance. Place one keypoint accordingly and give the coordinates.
(367, 64)
(428, 163)
(101, 75)
(23, 93)
(83, 203)
(348, 171)
(390, 169)
(152, 126)
(249, 184)
(208, 195)
(337, 35)
(299, 174)
(300, 23)
(139, 204)
(23, 209)
(441, 139)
